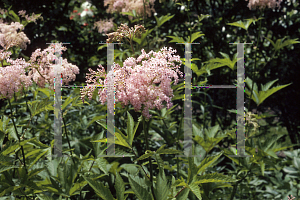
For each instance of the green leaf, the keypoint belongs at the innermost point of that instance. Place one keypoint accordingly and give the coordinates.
(15, 17)
(195, 189)
(259, 97)
(141, 192)
(208, 161)
(128, 13)
(160, 21)
(212, 178)
(244, 25)
(238, 24)
(77, 186)
(5, 168)
(62, 28)
(101, 47)
(200, 18)
(167, 151)
(122, 139)
(130, 130)
(161, 190)
(280, 44)
(144, 156)
(176, 39)
(120, 187)
(41, 153)
(96, 118)
(100, 189)
(183, 194)
(192, 170)
(195, 36)
(15, 146)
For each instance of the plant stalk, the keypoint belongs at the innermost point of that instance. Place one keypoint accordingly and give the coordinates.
(146, 127)
(22, 149)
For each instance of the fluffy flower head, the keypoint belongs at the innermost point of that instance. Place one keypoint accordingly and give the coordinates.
(42, 60)
(144, 82)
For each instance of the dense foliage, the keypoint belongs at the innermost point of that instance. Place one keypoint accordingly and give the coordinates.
(145, 166)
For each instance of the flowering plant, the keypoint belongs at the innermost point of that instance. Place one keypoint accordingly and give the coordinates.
(136, 82)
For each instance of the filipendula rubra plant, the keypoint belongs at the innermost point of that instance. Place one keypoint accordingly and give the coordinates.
(145, 83)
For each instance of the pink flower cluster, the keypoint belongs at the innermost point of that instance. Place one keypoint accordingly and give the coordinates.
(117, 6)
(144, 82)
(104, 25)
(263, 3)
(43, 62)
(9, 36)
(13, 77)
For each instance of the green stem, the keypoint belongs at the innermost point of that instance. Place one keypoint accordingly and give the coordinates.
(140, 164)
(236, 184)
(179, 192)
(22, 149)
(146, 127)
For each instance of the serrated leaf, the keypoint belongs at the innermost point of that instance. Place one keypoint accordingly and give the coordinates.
(192, 170)
(141, 192)
(208, 161)
(212, 178)
(100, 189)
(162, 188)
(196, 190)
(144, 156)
(77, 187)
(5, 168)
(120, 187)
(15, 146)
